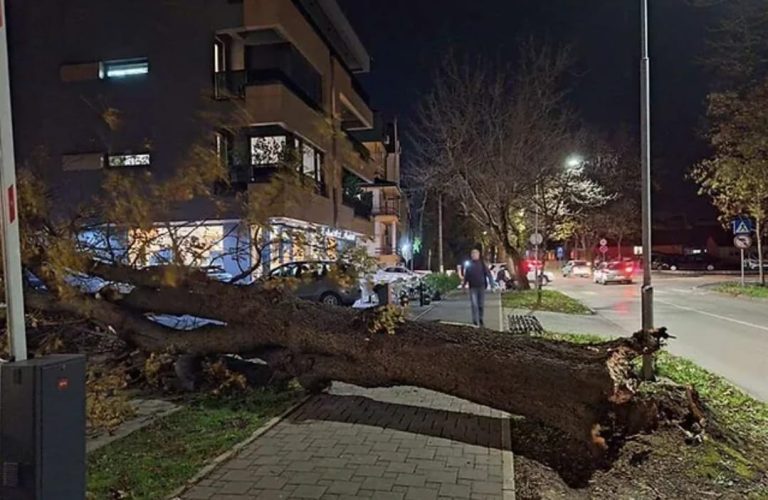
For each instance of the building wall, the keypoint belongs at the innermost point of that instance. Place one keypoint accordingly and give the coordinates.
(157, 112)
(59, 101)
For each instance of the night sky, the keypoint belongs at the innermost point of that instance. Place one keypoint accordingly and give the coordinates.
(408, 38)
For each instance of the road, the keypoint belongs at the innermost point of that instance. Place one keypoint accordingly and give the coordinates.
(726, 335)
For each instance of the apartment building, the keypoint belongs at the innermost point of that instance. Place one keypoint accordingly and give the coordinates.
(285, 68)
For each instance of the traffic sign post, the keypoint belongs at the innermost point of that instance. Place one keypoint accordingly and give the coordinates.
(742, 242)
(14, 298)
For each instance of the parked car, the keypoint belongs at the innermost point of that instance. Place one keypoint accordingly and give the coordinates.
(696, 262)
(577, 268)
(546, 276)
(217, 273)
(391, 274)
(316, 281)
(753, 264)
(614, 272)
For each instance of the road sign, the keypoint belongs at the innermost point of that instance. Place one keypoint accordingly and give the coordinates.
(560, 253)
(742, 225)
(603, 242)
(742, 241)
(603, 249)
(537, 239)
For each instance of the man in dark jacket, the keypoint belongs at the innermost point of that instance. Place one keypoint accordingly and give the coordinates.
(477, 277)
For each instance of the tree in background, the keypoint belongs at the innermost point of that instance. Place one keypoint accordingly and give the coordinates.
(486, 137)
(735, 177)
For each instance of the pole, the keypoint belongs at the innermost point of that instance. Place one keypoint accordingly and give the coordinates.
(742, 267)
(536, 272)
(14, 298)
(645, 126)
(440, 261)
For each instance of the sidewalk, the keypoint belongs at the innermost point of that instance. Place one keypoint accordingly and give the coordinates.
(456, 309)
(394, 443)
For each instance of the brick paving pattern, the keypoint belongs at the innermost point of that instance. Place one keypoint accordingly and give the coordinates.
(397, 443)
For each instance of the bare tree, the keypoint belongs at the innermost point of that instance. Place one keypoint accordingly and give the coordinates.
(486, 136)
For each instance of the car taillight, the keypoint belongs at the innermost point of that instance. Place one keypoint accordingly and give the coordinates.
(629, 269)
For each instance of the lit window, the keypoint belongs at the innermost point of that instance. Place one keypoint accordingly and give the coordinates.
(123, 68)
(139, 160)
(308, 156)
(267, 150)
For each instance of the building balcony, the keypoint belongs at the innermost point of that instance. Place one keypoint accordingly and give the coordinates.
(351, 221)
(387, 210)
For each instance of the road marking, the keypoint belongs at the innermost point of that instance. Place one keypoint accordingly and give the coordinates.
(724, 318)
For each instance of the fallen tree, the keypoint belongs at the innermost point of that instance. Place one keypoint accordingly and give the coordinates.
(589, 392)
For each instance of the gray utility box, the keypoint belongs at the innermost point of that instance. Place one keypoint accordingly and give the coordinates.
(42, 429)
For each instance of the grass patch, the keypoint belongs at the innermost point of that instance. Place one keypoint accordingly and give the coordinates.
(551, 300)
(152, 462)
(750, 290)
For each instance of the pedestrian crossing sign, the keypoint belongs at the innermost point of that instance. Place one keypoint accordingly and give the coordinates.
(741, 225)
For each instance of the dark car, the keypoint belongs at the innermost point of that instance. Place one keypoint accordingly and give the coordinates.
(695, 262)
(321, 281)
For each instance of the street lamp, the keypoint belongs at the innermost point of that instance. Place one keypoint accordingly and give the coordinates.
(573, 161)
(645, 128)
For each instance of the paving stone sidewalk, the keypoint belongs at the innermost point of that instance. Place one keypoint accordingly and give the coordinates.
(395, 443)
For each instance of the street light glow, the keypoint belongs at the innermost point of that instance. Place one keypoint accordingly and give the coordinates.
(573, 161)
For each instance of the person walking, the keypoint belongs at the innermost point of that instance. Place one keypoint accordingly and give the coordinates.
(477, 277)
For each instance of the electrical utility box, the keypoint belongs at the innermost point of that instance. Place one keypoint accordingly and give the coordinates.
(42, 429)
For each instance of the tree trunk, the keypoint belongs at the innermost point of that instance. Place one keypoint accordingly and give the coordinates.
(758, 233)
(516, 265)
(618, 241)
(588, 392)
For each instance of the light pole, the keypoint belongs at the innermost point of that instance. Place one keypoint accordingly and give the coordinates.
(645, 132)
(9, 232)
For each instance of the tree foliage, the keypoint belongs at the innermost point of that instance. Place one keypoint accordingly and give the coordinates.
(735, 177)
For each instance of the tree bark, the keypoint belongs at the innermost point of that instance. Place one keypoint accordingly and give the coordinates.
(585, 391)
(758, 233)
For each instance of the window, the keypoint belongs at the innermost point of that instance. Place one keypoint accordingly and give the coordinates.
(129, 160)
(123, 69)
(222, 147)
(267, 150)
(219, 56)
(308, 161)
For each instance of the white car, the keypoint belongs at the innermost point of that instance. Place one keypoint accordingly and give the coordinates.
(614, 272)
(546, 276)
(392, 274)
(577, 268)
(753, 264)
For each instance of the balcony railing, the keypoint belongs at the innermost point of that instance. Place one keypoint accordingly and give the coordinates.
(387, 209)
(232, 85)
(241, 175)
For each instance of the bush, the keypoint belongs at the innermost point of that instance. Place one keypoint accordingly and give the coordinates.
(442, 283)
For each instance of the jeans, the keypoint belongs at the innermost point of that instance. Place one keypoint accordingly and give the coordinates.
(477, 298)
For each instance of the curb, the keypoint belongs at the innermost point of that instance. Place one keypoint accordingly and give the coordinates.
(210, 466)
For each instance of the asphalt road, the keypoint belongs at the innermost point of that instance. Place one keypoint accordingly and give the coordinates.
(726, 335)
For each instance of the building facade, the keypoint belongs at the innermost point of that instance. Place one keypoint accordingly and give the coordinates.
(131, 86)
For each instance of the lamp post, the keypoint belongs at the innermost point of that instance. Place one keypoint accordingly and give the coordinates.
(14, 297)
(645, 131)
